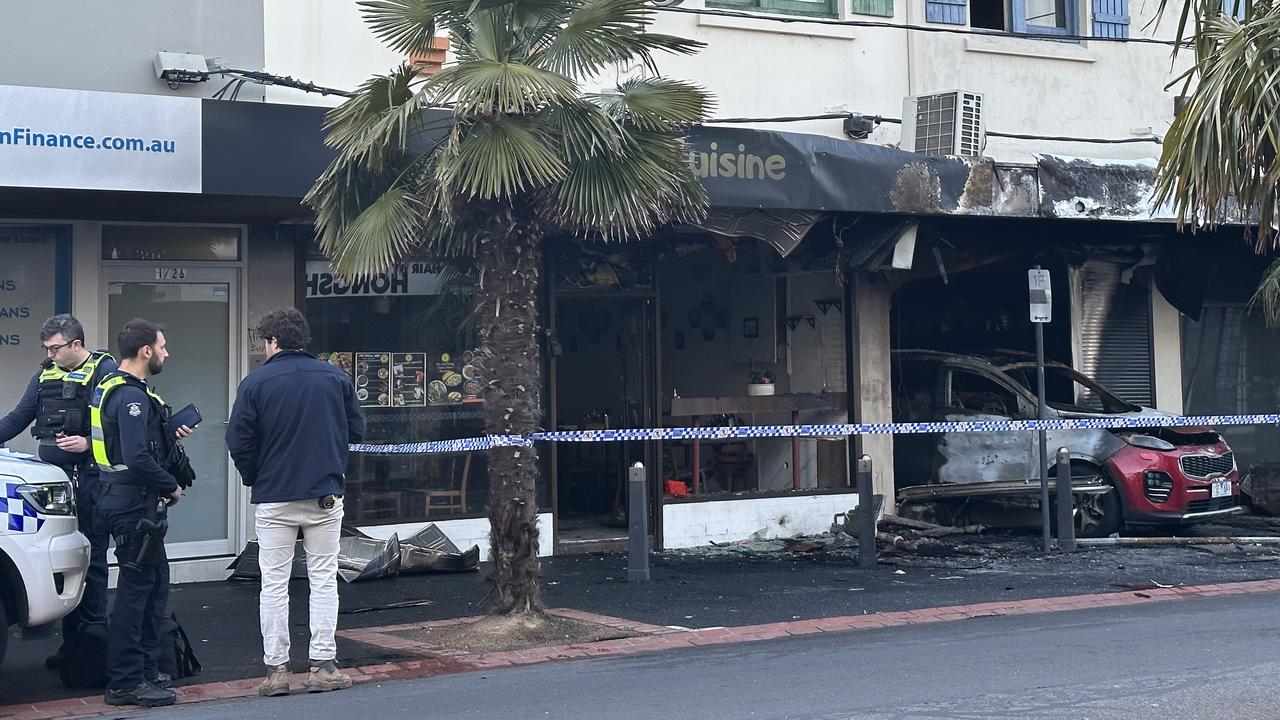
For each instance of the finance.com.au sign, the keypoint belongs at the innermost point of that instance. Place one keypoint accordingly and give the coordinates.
(79, 139)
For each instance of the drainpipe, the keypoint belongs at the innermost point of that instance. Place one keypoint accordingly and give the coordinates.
(913, 60)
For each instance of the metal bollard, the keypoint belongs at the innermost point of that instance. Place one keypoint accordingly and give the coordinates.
(1066, 519)
(637, 525)
(866, 515)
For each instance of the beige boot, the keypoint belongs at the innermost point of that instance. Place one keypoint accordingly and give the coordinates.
(326, 677)
(277, 682)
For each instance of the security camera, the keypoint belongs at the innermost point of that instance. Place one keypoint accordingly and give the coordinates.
(181, 67)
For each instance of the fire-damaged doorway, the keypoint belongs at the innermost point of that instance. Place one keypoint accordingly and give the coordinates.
(603, 377)
(983, 312)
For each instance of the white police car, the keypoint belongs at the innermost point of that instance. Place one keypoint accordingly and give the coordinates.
(43, 556)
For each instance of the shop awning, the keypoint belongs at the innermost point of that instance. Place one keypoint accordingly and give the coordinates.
(214, 157)
(761, 169)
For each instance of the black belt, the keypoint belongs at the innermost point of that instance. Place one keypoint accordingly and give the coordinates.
(109, 488)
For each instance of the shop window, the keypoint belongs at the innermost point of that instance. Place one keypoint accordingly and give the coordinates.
(820, 8)
(34, 284)
(404, 338)
(170, 242)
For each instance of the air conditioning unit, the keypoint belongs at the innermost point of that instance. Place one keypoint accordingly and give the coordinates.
(948, 123)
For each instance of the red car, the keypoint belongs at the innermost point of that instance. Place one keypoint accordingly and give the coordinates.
(1152, 476)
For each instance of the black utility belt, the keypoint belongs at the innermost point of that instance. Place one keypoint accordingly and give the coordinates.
(110, 488)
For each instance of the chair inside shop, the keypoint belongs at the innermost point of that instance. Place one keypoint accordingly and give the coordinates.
(452, 496)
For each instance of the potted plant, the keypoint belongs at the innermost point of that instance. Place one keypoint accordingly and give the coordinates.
(761, 383)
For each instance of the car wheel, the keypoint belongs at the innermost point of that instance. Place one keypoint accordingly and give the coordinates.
(1097, 516)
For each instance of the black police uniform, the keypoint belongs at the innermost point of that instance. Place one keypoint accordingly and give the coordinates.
(56, 405)
(138, 444)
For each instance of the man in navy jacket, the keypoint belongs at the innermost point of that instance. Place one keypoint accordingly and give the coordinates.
(288, 435)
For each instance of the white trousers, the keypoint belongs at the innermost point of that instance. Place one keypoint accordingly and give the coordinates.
(277, 526)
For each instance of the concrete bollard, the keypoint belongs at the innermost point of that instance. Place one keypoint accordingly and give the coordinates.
(866, 515)
(1066, 519)
(637, 525)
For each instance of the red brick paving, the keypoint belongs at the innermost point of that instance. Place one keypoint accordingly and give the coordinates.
(651, 638)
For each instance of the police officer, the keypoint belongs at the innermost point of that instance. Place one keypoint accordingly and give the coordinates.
(57, 402)
(136, 451)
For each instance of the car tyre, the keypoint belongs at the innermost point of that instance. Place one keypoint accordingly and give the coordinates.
(1096, 516)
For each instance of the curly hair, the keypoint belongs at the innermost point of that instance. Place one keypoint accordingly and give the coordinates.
(287, 326)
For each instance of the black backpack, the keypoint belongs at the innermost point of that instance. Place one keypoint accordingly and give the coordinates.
(177, 659)
(84, 657)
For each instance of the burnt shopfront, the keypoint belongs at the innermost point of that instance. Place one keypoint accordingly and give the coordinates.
(766, 313)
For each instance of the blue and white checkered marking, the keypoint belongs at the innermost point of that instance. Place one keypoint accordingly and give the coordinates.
(808, 431)
(19, 516)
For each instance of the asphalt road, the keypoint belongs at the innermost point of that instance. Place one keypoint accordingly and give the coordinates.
(1213, 658)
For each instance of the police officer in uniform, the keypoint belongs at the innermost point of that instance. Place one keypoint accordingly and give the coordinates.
(57, 402)
(143, 472)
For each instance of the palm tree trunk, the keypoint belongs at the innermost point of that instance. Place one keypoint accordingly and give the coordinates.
(509, 262)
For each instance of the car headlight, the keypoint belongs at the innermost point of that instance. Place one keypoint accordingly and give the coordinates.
(1149, 442)
(50, 498)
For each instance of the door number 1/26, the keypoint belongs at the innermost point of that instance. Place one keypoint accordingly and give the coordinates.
(171, 273)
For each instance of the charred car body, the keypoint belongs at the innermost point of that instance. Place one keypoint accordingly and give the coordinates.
(1155, 476)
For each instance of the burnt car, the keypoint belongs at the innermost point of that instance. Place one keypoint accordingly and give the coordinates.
(1154, 476)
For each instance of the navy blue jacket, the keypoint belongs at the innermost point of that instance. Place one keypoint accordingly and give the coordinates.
(290, 427)
(24, 413)
(140, 442)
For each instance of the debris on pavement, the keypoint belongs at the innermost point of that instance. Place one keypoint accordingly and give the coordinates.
(361, 557)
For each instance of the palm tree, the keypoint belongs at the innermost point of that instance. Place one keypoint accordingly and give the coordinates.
(525, 155)
(1219, 158)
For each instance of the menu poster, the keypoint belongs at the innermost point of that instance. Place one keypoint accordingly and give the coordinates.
(341, 360)
(408, 380)
(471, 387)
(373, 379)
(446, 381)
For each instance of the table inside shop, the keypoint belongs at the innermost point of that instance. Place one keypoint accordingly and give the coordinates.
(794, 403)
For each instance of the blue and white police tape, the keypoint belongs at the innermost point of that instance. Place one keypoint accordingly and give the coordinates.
(445, 446)
(813, 431)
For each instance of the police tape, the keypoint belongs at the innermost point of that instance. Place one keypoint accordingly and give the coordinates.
(746, 432)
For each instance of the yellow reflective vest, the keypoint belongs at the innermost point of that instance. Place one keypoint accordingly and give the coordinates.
(98, 430)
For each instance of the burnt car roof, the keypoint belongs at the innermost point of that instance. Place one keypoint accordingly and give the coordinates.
(999, 359)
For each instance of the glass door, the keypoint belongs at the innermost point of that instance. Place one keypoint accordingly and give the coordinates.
(199, 309)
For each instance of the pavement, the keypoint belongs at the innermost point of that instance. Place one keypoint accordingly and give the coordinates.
(1112, 663)
(740, 586)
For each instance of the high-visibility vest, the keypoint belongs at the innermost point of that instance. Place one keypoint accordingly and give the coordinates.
(62, 398)
(97, 430)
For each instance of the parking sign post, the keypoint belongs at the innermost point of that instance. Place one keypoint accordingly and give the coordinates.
(1041, 313)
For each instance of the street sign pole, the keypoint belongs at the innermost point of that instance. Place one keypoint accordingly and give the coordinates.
(1041, 312)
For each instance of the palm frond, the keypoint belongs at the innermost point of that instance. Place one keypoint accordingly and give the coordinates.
(585, 130)
(1267, 296)
(375, 238)
(498, 158)
(374, 123)
(406, 26)
(628, 193)
(656, 104)
(600, 33)
(488, 87)
(1220, 155)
